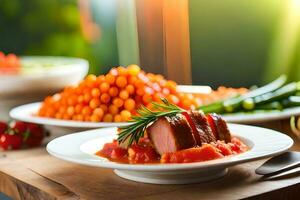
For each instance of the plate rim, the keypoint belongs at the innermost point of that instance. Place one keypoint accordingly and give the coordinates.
(218, 163)
(16, 114)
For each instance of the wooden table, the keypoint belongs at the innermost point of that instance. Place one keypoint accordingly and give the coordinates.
(33, 174)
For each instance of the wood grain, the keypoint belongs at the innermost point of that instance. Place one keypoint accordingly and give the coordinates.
(33, 174)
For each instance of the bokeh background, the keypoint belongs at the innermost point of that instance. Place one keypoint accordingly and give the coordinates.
(233, 43)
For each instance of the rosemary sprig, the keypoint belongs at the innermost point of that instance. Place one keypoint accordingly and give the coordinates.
(132, 133)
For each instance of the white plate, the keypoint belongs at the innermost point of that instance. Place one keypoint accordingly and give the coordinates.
(81, 147)
(27, 113)
(261, 116)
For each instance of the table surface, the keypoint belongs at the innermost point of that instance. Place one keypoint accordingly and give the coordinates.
(34, 174)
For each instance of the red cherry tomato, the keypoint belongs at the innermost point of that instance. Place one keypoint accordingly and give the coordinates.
(19, 127)
(8, 142)
(35, 131)
(3, 127)
(33, 142)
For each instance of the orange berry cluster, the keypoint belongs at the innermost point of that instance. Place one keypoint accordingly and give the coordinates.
(114, 97)
(9, 63)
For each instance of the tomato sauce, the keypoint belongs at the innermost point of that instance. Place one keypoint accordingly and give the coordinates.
(144, 153)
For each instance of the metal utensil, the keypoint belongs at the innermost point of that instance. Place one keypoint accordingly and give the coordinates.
(278, 164)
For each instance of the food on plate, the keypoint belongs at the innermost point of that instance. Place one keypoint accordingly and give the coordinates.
(170, 134)
(114, 97)
(17, 134)
(276, 95)
(9, 64)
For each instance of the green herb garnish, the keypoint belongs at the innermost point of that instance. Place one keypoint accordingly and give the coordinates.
(132, 133)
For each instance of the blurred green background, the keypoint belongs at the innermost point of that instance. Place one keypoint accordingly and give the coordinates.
(233, 43)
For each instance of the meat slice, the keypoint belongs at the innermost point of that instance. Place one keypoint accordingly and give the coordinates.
(170, 134)
(204, 133)
(221, 128)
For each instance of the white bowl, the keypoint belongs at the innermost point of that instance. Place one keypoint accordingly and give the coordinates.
(81, 148)
(34, 85)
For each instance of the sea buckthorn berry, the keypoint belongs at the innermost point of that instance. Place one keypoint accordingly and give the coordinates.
(58, 116)
(62, 109)
(149, 90)
(72, 100)
(124, 94)
(110, 79)
(113, 109)
(156, 87)
(133, 70)
(66, 116)
(173, 99)
(50, 112)
(100, 79)
(94, 103)
(165, 91)
(104, 87)
(113, 91)
(139, 84)
(171, 85)
(78, 108)
(80, 99)
(104, 108)
(147, 98)
(91, 80)
(105, 98)
(130, 89)
(121, 81)
(122, 71)
(157, 97)
(87, 118)
(95, 92)
(86, 111)
(108, 117)
(87, 97)
(117, 118)
(126, 115)
(140, 91)
(95, 118)
(91, 77)
(118, 102)
(99, 112)
(70, 110)
(113, 72)
(80, 118)
(129, 104)
(132, 79)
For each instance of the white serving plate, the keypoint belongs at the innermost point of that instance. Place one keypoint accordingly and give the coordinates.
(81, 147)
(26, 87)
(57, 127)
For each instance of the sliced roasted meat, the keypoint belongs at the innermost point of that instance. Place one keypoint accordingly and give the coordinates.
(204, 132)
(170, 134)
(220, 127)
